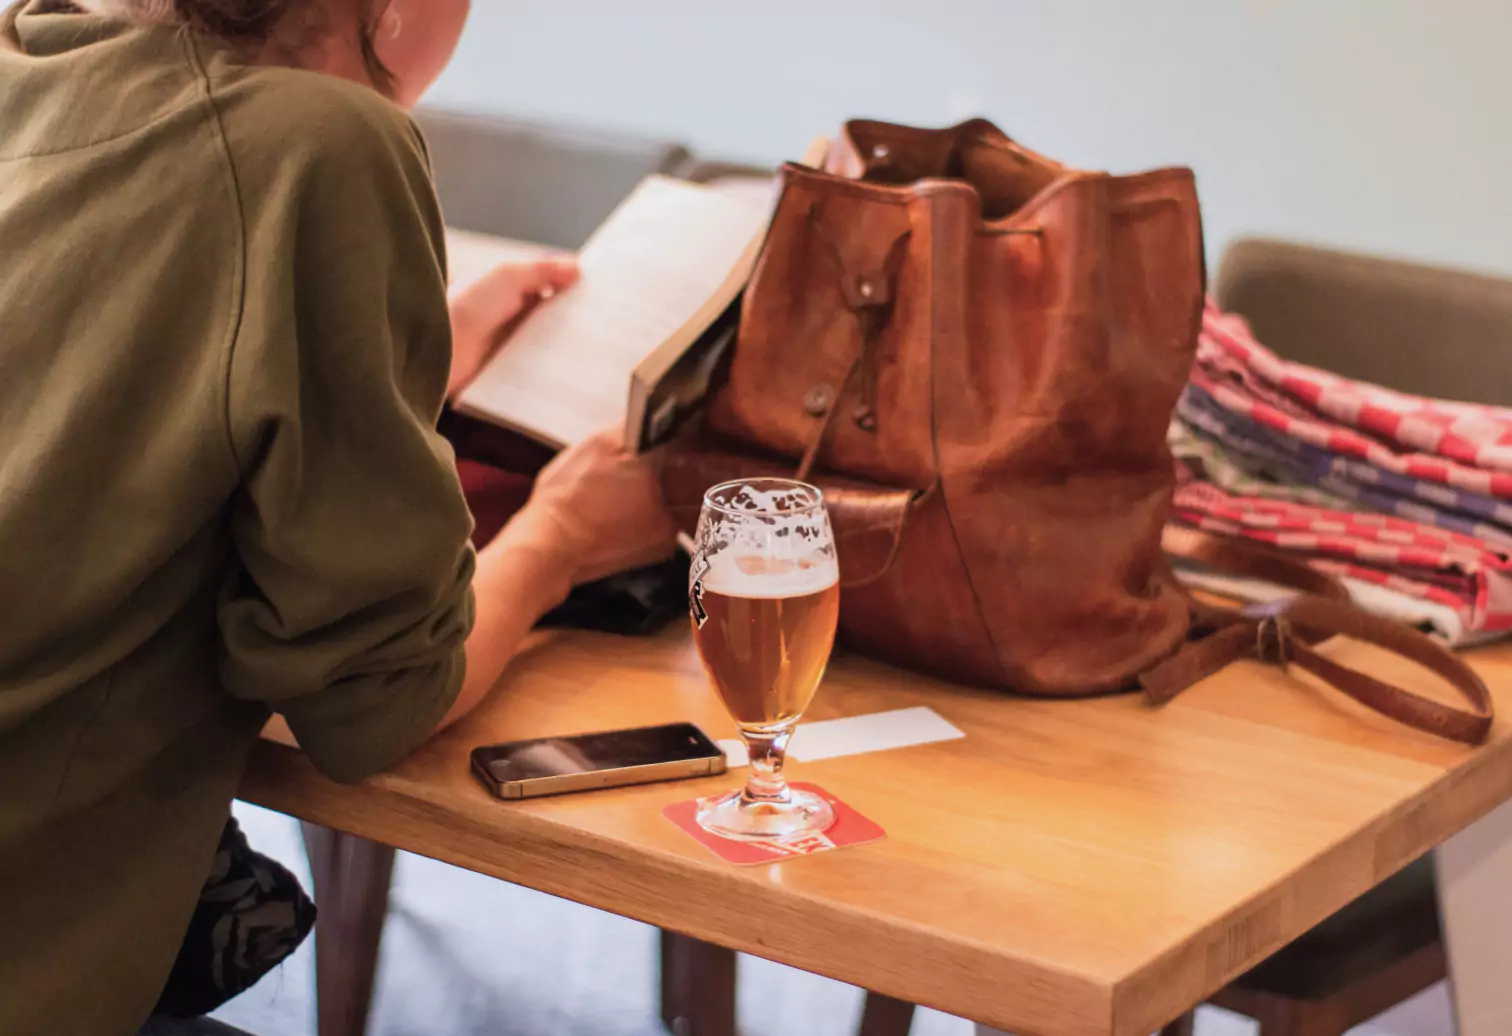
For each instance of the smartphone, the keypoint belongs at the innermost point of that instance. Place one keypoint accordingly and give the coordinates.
(610, 759)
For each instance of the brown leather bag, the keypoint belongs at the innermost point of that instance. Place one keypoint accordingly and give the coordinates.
(975, 351)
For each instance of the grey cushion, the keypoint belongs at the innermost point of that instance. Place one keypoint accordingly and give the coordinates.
(1419, 329)
(534, 182)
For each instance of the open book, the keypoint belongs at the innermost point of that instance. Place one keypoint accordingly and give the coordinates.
(641, 336)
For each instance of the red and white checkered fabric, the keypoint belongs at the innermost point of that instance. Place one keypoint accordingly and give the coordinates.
(1460, 445)
(1465, 445)
(1418, 560)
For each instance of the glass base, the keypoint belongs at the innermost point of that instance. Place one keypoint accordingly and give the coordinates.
(797, 814)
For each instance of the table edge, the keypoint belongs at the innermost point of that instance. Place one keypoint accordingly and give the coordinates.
(1145, 1000)
(1015, 994)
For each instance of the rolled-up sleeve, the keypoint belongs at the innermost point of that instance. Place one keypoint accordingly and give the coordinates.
(351, 595)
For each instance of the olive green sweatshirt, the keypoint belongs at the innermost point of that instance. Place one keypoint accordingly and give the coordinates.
(224, 344)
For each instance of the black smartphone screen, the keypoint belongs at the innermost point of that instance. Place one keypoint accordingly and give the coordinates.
(587, 753)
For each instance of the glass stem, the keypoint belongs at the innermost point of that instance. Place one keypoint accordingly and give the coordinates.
(768, 750)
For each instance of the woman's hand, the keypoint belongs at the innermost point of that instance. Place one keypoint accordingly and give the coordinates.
(596, 510)
(482, 312)
(602, 507)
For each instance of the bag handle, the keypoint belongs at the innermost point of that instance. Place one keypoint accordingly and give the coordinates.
(1284, 632)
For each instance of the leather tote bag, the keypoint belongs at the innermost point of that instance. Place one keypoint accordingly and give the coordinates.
(974, 351)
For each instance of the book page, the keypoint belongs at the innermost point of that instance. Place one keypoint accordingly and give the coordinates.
(565, 372)
(470, 255)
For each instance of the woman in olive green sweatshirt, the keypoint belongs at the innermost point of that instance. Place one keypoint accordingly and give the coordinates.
(224, 343)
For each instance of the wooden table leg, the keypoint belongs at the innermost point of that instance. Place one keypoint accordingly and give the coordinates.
(697, 987)
(884, 1016)
(351, 877)
(1475, 901)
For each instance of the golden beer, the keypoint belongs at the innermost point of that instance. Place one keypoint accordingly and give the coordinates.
(765, 642)
(764, 595)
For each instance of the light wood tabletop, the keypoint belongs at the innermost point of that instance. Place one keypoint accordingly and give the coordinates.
(1086, 868)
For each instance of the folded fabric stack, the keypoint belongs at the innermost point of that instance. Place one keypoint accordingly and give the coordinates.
(1408, 500)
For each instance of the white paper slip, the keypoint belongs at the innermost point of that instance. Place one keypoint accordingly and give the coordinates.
(855, 735)
(734, 751)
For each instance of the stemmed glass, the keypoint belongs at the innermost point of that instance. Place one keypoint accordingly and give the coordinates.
(764, 594)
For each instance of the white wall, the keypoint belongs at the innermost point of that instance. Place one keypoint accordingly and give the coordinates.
(1376, 125)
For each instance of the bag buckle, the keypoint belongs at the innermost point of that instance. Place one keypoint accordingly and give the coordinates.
(1273, 634)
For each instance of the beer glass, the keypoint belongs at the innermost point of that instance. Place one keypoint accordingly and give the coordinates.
(764, 594)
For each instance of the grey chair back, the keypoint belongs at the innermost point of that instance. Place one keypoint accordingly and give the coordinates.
(1420, 329)
(533, 182)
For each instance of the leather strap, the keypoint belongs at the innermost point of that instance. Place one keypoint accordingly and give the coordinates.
(868, 295)
(1284, 632)
(1245, 558)
(816, 440)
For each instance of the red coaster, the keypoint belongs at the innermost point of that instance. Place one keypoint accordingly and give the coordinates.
(850, 828)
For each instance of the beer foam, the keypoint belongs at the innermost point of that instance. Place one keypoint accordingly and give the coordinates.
(736, 575)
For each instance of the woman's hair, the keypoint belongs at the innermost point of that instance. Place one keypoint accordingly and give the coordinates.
(236, 21)
(240, 23)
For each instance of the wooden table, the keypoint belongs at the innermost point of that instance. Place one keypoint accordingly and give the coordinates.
(1087, 868)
